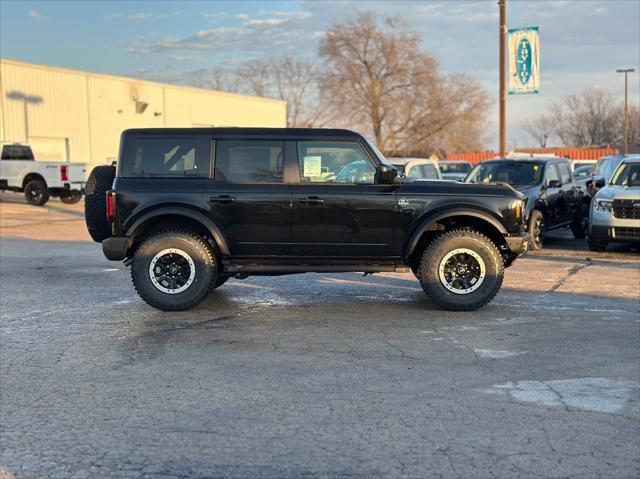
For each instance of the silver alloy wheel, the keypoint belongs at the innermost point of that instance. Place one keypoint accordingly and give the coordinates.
(172, 271)
(462, 271)
(538, 229)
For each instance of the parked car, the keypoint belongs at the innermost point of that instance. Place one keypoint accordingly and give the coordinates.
(454, 170)
(575, 164)
(583, 172)
(39, 180)
(187, 216)
(614, 215)
(554, 199)
(604, 169)
(417, 168)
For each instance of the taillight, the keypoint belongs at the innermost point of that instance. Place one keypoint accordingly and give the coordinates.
(110, 205)
(64, 173)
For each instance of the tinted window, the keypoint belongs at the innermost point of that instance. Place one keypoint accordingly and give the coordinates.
(334, 162)
(16, 152)
(565, 173)
(168, 157)
(251, 161)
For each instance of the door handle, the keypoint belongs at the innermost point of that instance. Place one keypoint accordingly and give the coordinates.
(224, 199)
(312, 200)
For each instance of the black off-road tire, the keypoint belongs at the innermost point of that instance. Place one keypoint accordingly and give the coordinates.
(219, 281)
(537, 238)
(580, 225)
(36, 192)
(72, 198)
(429, 275)
(206, 267)
(95, 203)
(597, 245)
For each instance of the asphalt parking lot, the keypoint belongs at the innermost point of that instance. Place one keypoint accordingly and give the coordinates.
(312, 376)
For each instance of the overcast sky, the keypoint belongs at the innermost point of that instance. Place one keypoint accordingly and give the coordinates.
(583, 42)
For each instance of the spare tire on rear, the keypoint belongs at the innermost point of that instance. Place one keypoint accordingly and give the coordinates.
(95, 204)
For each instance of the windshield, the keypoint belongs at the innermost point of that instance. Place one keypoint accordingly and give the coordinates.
(376, 151)
(628, 174)
(516, 173)
(458, 167)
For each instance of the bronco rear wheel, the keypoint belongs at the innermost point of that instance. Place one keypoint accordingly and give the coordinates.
(461, 270)
(173, 270)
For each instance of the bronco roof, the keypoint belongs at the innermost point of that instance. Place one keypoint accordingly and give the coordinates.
(243, 131)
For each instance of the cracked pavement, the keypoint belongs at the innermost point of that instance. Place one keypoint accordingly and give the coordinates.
(312, 376)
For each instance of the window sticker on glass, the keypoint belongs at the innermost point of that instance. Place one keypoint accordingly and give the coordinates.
(312, 167)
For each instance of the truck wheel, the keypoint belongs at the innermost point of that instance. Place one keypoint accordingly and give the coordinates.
(580, 224)
(95, 203)
(597, 245)
(537, 228)
(72, 198)
(173, 270)
(220, 280)
(36, 192)
(461, 270)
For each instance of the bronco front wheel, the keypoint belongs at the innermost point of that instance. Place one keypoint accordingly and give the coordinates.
(461, 270)
(173, 270)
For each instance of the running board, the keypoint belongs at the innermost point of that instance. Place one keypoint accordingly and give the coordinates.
(315, 268)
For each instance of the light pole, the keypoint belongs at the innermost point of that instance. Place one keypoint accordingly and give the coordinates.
(502, 95)
(626, 71)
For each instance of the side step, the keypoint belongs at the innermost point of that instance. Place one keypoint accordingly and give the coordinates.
(314, 268)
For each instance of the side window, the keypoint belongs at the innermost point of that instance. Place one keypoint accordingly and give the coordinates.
(250, 161)
(177, 157)
(429, 172)
(334, 162)
(415, 172)
(551, 173)
(565, 173)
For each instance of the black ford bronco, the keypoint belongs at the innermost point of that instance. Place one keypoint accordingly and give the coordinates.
(189, 208)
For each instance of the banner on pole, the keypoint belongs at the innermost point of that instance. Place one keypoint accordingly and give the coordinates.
(524, 60)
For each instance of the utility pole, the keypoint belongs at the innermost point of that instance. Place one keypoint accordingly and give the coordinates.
(626, 71)
(502, 95)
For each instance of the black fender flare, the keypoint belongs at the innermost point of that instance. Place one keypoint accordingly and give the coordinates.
(214, 230)
(432, 218)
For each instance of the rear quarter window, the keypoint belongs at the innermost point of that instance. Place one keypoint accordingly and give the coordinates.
(177, 157)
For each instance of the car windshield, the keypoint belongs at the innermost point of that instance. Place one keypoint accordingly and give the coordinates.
(376, 151)
(582, 172)
(516, 173)
(457, 167)
(628, 174)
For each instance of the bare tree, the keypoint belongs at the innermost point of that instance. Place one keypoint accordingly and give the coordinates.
(213, 79)
(589, 118)
(541, 129)
(291, 79)
(380, 81)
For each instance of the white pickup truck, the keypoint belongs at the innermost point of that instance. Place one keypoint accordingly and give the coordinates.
(40, 180)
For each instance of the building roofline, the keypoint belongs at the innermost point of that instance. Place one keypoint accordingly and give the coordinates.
(53, 68)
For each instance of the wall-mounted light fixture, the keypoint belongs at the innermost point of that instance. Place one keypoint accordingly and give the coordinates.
(141, 106)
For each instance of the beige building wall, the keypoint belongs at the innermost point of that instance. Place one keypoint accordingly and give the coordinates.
(69, 114)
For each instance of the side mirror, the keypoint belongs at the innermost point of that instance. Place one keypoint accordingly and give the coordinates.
(600, 183)
(554, 184)
(386, 174)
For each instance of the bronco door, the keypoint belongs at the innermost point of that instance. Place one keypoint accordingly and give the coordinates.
(337, 208)
(248, 198)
